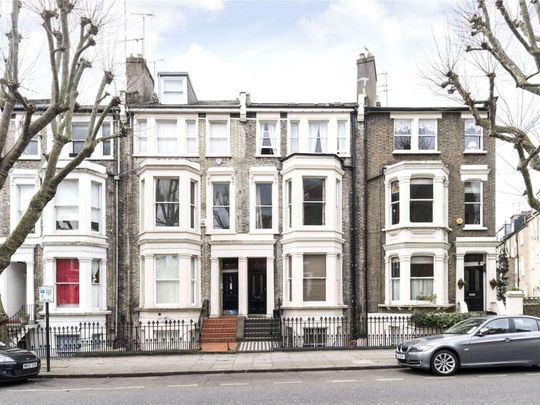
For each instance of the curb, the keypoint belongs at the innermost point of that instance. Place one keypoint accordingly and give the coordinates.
(198, 372)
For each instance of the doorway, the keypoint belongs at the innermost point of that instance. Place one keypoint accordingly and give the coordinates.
(474, 282)
(257, 286)
(229, 278)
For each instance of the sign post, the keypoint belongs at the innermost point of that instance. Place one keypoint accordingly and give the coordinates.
(46, 295)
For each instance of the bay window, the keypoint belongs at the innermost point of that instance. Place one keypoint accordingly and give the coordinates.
(268, 139)
(221, 205)
(96, 283)
(66, 203)
(421, 200)
(167, 202)
(263, 205)
(167, 280)
(289, 278)
(95, 201)
(218, 138)
(314, 201)
(318, 136)
(394, 189)
(473, 203)
(192, 204)
(421, 277)
(193, 280)
(167, 137)
(314, 278)
(67, 282)
(289, 203)
(394, 278)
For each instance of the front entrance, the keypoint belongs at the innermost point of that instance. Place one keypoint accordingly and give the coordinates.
(229, 268)
(257, 286)
(474, 282)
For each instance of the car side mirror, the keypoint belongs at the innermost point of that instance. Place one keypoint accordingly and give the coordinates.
(2, 346)
(482, 332)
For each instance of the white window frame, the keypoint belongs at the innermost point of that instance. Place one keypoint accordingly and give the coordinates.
(393, 279)
(290, 282)
(22, 177)
(480, 148)
(80, 219)
(276, 139)
(193, 263)
(323, 202)
(481, 203)
(98, 151)
(346, 142)
(220, 175)
(411, 278)
(35, 139)
(167, 304)
(415, 118)
(186, 139)
(96, 286)
(141, 132)
(266, 174)
(475, 173)
(154, 206)
(325, 278)
(432, 199)
(175, 137)
(325, 147)
(193, 204)
(289, 197)
(290, 137)
(181, 95)
(99, 208)
(217, 119)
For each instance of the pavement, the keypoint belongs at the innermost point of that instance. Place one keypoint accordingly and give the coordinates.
(214, 363)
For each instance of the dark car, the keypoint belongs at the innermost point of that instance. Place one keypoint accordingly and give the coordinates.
(476, 342)
(17, 364)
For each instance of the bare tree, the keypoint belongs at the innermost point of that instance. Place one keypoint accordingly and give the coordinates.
(491, 44)
(67, 60)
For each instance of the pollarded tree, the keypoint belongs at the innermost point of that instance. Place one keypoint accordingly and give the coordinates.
(67, 62)
(493, 44)
(502, 274)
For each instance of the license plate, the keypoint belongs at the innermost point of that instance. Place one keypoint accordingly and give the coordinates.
(400, 356)
(29, 365)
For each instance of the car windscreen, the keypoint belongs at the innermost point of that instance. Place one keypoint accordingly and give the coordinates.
(466, 326)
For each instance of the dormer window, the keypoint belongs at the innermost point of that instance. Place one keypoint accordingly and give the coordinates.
(173, 90)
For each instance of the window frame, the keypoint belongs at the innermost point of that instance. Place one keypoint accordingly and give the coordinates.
(37, 156)
(413, 200)
(322, 202)
(155, 202)
(99, 208)
(193, 204)
(216, 120)
(394, 203)
(276, 138)
(480, 203)
(213, 206)
(175, 137)
(415, 135)
(324, 140)
(411, 278)
(395, 279)
(305, 278)
(74, 283)
(295, 123)
(77, 181)
(195, 121)
(345, 151)
(182, 98)
(170, 280)
(480, 148)
(262, 206)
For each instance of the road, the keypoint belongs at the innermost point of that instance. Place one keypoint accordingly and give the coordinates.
(395, 386)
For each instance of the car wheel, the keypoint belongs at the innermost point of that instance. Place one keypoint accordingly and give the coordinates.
(444, 362)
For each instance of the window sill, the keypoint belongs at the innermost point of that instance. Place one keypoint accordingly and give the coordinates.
(475, 152)
(227, 155)
(268, 156)
(29, 158)
(263, 231)
(169, 309)
(474, 228)
(416, 152)
(416, 225)
(411, 305)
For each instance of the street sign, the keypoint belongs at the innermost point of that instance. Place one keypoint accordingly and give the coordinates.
(46, 293)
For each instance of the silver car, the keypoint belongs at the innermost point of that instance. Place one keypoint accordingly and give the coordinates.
(476, 342)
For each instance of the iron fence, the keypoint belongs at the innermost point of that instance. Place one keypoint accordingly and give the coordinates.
(315, 332)
(173, 335)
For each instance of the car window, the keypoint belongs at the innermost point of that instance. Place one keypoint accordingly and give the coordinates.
(497, 326)
(525, 325)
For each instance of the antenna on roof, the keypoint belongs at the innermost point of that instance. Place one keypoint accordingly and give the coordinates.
(384, 87)
(143, 16)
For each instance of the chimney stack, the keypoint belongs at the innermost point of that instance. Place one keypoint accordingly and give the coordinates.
(140, 83)
(366, 76)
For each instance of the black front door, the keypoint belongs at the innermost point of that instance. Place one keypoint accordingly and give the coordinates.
(230, 293)
(257, 286)
(474, 287)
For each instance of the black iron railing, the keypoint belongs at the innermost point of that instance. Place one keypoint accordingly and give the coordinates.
(24, 316)
(163, 336)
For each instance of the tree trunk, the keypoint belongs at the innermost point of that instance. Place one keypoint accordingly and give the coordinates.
(4, 335)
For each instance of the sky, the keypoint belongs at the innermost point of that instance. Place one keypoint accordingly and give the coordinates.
(277, 50)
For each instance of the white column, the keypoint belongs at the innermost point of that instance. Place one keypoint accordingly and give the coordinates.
(405, 278)
(269, 286)
(215, 287)
(439, 279)
(85, 284)
(297, 279)
(404, 204)
(387, 202)
(460, 275)
(491, 273)
(242, 286)
(103, 286)
(30, 283)
(439, 203)
(331, 279)
(49, 279)
(149, 284)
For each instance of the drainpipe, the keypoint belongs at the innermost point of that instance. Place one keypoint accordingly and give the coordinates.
(365, 234)
(354, 228)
